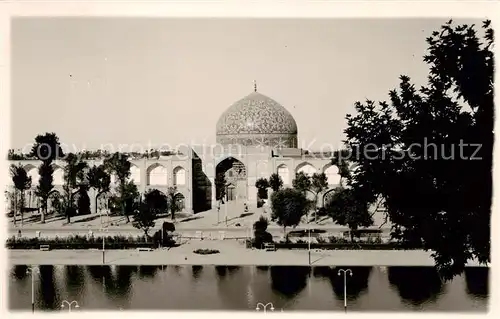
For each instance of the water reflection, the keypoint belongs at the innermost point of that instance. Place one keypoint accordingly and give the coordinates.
(221, 271)
(416, 284)
(20, 272)
(240, 288)
(355, 283)
(196, 271)
(147, 271)
(289, 281)
(47, 290)
(477, 279)
(75, 279)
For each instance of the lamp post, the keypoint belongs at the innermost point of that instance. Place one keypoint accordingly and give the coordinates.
(225, 210)
(264, 307)
(103, 243)
(309, 244)
(345, 271)
(32, 272)
(65, 302)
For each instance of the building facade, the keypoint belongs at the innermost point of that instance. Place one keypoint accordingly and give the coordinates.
(256, 137)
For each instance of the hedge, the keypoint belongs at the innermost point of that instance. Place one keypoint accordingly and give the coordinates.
(336, 246)
(81, 242)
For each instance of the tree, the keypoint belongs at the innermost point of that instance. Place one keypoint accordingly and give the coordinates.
(346, 210)
(430, 150)
(260, 232)
(74, 177)
(220, 186)
(130, 199)
(262, 185)
(119, 166)
(83, 200)
(22, 182)
(144, 218)
(288, 207)
(46, 149)
(314, 184)
(340, 159)
(9, 196)
(275, 182)
(301, 182)
(319, 183)
(45, 186)
(156, 201)
(99, 180)
(173, 201)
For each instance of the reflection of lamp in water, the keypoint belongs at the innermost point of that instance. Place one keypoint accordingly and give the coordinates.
(264, 307)
(69, 304)
(32, 271)
(345, 271)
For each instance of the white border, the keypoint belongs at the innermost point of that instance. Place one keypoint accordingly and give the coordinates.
(233, 9)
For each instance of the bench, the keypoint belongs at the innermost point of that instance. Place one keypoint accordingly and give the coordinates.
(44, 247)
(144, 249)
(269, 247)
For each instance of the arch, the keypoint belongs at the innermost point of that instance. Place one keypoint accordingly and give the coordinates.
(235, 172)
(32, 172)
(332, 174)
(156, 174)
(180, 200)
(58, 175)
(284, 173)
(179, 175)
(31, 198)
(327, 195)
(306, 168)
(103, 201)
(135, 174)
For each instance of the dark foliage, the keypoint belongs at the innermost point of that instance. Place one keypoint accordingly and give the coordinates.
(430, 150)
(275, 182)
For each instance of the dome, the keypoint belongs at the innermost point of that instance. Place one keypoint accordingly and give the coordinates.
(257, 120)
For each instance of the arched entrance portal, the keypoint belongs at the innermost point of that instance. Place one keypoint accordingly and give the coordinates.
(235, 179)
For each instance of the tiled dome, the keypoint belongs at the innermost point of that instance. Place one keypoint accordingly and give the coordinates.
(257, 120)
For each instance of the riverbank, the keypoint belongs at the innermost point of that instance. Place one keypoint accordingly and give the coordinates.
(232, 253)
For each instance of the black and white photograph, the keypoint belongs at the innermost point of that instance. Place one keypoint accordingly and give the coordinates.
(340, 165)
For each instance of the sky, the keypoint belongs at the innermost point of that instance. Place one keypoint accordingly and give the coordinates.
(149, 82)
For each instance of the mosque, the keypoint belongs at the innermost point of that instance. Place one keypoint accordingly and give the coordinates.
(255, 137)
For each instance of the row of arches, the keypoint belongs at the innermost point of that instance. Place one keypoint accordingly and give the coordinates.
(331, 172)
(102, 202)
(156, 175)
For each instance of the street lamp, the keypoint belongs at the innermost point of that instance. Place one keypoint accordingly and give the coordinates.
(225, 209)
(32, 272)
(264, 307)
(309, 244)
(103, 243)
(345, 271)
(65, 302)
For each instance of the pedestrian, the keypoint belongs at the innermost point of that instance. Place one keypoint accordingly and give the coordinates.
(19, 233)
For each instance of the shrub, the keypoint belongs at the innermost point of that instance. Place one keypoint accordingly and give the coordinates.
(260, 203)
(168, 227)
(81, 242)
(261, 237)
(206, 251)
(321, 240)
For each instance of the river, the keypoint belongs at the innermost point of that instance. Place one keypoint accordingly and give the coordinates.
(242, 288)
